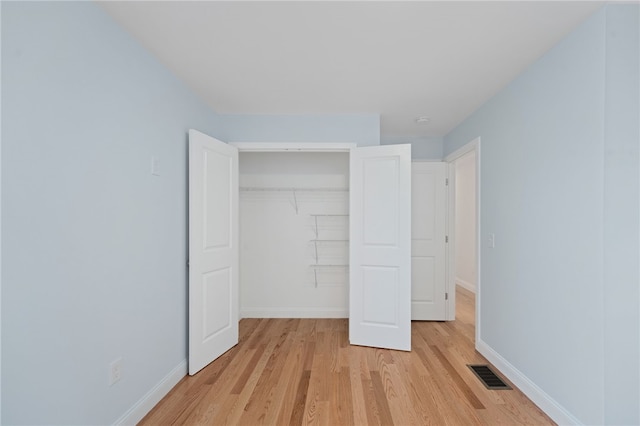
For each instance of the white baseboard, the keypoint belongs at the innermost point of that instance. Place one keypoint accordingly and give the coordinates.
(293, 313)
(147, 402)
(539, 397)
(466, 285)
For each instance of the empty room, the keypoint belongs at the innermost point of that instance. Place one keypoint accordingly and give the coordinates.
(258, 212)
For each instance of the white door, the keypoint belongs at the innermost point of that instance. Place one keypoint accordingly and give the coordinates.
(213, 249)
(380, 248)
(428, 246)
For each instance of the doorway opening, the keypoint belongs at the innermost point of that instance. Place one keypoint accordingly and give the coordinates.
(464, 216)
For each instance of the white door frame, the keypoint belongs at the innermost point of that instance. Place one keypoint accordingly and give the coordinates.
(319, 147)
(293, 146)
(473, 145)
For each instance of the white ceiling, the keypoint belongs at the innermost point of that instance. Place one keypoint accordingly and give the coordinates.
(397, 59)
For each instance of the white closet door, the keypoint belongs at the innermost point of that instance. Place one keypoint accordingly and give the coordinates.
(380, 247)
(428, 246)
(213, 249)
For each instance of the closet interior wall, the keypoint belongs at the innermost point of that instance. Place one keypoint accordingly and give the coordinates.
(294, 232)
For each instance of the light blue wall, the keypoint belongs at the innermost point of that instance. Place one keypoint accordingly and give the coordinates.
(621, 213)
(559, 162)
(363, 129)
(422, 148)
(94, 246)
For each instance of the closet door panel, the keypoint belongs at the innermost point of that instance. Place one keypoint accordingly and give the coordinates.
(428, 252)
(380, 248)
(213, 249)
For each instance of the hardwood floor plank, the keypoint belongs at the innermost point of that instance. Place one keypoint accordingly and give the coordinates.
(234, 407)
(304, 372)
(284, 391)
(296, 365)
(419, 397)
(402, 411)
(445, 395)
(309, 351)
(219, 399)
(358, 372)
(262, 397)
(301, 397)
(424, 404)
(318, 387)
(466, 390)
(381, 399)
(333, 342)
(370, 404)
(308, 327)
(345, 397)
(242, 380)
(341, 404)
(312, 410)
(217, 387)
(256, 334)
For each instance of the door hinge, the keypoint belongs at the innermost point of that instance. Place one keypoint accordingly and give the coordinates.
(446, 238)
(446, 296)
(446, 182)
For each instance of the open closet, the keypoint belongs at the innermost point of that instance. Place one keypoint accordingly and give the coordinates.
(304, 231)
(294, 234)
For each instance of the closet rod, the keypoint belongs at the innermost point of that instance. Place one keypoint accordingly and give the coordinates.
(250, 188)
(327, 266)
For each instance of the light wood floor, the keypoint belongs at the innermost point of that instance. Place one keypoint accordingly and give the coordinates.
(303, 371)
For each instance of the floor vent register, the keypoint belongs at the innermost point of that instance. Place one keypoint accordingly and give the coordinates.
(488, 377)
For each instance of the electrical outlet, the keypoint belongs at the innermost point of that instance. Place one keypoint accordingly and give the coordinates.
(115, 371)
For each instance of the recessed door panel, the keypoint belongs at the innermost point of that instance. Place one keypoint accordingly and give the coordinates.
(216, 293)
(423, 192)
(380, 199)
(422, 270)
(216, 215)
(379, 295)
